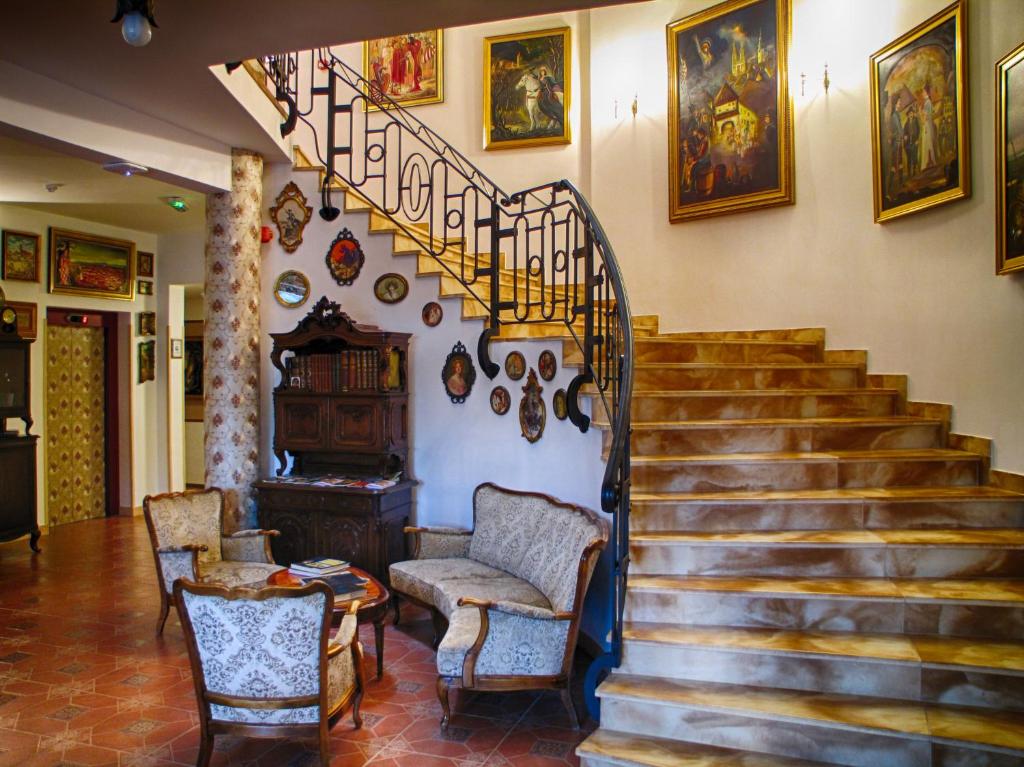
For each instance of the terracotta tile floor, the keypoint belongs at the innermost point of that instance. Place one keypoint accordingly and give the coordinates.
(84, 681)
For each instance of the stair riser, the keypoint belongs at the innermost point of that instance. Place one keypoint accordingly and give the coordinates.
(770, 439)
(669, 477)
(657, 350)
(802, 613)
(712, 408)
(826, 561)
(706, 379)
(799, 739)
(693, 516)
(827, 674)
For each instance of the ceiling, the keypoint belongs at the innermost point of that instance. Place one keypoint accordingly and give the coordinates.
(170, 79)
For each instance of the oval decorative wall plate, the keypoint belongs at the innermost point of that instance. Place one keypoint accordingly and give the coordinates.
(432, 314)
(515, 365)
(391, 288)
(290, 214)
(560, 405)
(532, 411)
(345, 258)
(501, 400)
(547, 365)
(458, 374)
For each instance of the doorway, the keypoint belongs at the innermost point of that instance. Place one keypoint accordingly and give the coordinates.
(82, 415)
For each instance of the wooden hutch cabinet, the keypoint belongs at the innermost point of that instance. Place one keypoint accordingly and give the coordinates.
(341, 415)
(17, 451)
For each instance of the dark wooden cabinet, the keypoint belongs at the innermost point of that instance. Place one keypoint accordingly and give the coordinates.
(341, 410)
(17, 451)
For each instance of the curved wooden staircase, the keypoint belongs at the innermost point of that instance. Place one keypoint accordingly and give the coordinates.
(821, 573)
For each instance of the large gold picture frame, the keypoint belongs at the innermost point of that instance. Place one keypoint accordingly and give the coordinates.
(919, 126)
(527, 89)
(1010, 162)
(88, 265)
(730, 118)
(408, 68)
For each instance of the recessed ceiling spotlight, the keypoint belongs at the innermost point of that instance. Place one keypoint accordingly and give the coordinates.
(126, 168)
(180, 204)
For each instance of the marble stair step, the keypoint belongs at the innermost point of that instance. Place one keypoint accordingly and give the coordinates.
(604, 748)
(745, 375)
(981, 608)
(765, 403)
(979, 673)
(661, 349)
(852, 730)
(782, 435)
(831, 553)
(957, 507)
(801, 471)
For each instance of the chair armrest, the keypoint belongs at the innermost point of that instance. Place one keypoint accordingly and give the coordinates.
(346, 633)
(187, 548)
(176, 562)
(248, 546)
(439, 542)
(516, 608)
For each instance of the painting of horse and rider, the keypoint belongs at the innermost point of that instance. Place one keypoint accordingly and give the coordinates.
(526, 89)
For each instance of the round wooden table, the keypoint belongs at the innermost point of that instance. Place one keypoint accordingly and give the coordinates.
(373, 606)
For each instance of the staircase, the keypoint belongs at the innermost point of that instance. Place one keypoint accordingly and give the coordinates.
(818, 575)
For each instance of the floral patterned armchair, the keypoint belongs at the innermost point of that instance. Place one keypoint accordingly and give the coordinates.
(511, 591)
(262, 663)
(186, 532)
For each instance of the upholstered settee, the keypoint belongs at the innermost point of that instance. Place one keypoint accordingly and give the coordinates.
(511, 591)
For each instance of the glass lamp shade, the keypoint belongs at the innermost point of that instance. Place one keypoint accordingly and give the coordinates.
(136, 29)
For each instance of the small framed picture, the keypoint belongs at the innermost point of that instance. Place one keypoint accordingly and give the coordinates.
(432, 314)
(145, 288)
(458, 374)
(515, 365)
(391, 288)
(547, 364)
(21, 256)
(560, 405)
(501, 400)
(145, 264)
(147, 361)
(177, 348)
(147, 323)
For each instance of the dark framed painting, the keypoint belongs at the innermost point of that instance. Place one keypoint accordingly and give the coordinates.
(920, 151)
(290, 214)
(88, 265)
(515, 365)
(147, 361)
(432, 314)
(730, 119)
(1010, 162)
(458, 374)
(27, 318)
(391, 288)
(547, 365)
(147, 323)
(501, 400)
(345, 258)
(533, 412)
(145, 288)
(408, 69)
(20, 256)
(560, 405)
(527, 89)
(147, 264)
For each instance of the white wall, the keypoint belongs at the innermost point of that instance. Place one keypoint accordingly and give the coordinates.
(145, 475)
(919, 293)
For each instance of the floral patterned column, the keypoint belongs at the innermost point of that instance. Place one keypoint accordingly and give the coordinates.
(231, 341)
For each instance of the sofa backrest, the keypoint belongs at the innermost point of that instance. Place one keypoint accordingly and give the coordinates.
(535, 537)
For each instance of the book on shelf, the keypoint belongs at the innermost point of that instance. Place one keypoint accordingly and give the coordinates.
(309, 568)
(345, 585)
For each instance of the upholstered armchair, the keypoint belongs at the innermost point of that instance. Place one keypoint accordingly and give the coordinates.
(186, 532)
(263, 664)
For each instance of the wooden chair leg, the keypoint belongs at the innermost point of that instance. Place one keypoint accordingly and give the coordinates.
(570, 707)
(394, 603)
(357, 658)
(442, 695)
(165, 608)
(325, 747)
(205, 747)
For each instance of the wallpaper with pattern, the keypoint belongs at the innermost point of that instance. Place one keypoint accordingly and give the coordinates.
(231, 341)
(75, 457)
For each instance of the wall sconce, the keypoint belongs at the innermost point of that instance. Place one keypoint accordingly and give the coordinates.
(634, 106)
(825, 81)
(137, 21)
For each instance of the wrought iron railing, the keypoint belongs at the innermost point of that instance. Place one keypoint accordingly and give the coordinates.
(538, 255)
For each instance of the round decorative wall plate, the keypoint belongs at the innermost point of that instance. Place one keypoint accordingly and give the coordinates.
(432, 314)
(345, 258)
(501, 400)
(291, 288)
(515, 365)
(560, 405)
(547, 365)
(391, 288)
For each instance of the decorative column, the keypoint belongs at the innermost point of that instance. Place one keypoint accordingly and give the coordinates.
(231, 367)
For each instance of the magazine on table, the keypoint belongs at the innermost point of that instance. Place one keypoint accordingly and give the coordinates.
(310, 568)
(345, 585)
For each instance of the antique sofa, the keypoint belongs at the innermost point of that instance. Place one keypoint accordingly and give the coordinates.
(511, 591)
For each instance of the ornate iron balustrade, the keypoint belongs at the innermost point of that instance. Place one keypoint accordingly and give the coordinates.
(538, 255)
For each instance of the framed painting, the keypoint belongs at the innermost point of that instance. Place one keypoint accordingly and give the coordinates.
(87, 265)
(533, 413)
(1010, 162)
(290, 214)
(147, 361)
(145, 288)
(21, 256)
(146, 265)
(391, 288)
(147, 323)
(527, 89)
(730, 119)
(920, 153)
(458, 374)
(408, 69)
(27, 318)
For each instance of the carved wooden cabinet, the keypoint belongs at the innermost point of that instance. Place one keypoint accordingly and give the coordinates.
(340, 411)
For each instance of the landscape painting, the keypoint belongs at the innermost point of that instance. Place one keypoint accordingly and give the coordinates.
(526, 89)
(919, 118)
(409, 69)
(730, 120)
(93, 266)
(20, 256)
(1010, 162)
